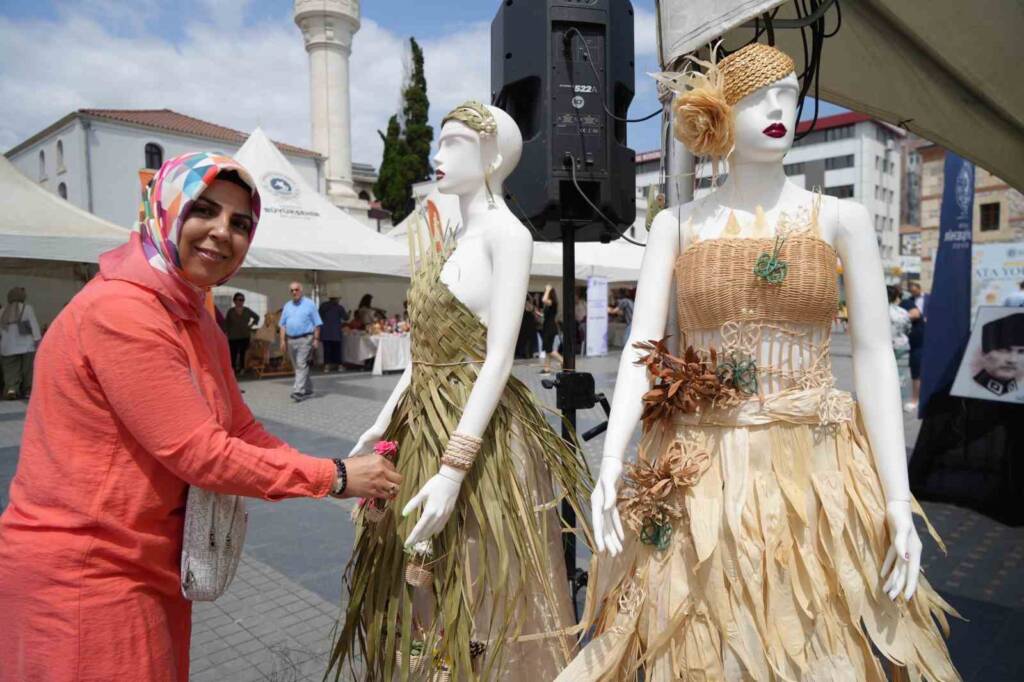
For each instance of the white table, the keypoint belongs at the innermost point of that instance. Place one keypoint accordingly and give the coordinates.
(394, 353)
(357, 347)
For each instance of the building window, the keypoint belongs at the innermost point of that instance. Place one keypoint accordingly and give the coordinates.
(840, 191)
(60, 156)
(837, 162)
(840, 133)
(794, 168)
(62, 190)
(42, 165)
(989, 217)
(154, 156)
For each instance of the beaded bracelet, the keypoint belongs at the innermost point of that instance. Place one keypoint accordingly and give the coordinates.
(341, 483)
(461, 451)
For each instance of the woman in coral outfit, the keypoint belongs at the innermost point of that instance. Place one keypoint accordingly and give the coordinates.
(135, 400)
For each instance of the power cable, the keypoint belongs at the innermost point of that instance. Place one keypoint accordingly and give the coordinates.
(597, 77)
(621, 233)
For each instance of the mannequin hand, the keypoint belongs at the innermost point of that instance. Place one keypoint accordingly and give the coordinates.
(437, 497)
(604, 511)
(902, 564)
(368, 440)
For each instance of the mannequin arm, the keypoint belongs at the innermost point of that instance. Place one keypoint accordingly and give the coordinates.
(654, 292)
(376, 432)
(510, 250)
(876, 382)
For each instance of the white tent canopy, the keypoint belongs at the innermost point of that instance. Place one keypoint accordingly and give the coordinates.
(618, 261)
(301, 230)
(38, 225)
(47, 245)
(943, 70)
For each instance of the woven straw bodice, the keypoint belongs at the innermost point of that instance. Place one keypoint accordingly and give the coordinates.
(784, 328)
(716, 283)
(444, 330)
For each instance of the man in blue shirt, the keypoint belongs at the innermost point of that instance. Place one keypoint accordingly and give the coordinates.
(1016, 299)
(300, 336)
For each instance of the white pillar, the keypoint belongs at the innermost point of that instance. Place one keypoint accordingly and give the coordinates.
(327, 28)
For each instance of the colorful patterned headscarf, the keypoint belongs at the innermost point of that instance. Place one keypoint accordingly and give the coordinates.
(178, 183)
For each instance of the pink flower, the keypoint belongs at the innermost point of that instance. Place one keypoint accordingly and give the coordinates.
(387, 448)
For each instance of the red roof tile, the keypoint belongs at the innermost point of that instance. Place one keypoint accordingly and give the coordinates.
(172, 121)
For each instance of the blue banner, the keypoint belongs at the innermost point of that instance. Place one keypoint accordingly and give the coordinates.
(948, 308)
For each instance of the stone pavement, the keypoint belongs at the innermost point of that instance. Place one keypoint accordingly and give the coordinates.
(275, 621)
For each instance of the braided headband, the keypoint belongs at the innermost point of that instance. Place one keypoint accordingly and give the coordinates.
(475, 115)
(702, 109)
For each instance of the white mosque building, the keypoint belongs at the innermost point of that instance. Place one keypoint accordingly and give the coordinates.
(94, 157)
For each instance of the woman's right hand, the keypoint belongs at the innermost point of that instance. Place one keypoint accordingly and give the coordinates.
(371, 476)
(608, 533)
(366, 442)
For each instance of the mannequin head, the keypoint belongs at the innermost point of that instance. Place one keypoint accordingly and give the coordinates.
(764, 122)
(742, 108)
(479, 146)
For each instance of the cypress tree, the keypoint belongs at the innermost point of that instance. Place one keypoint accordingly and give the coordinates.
(415, 111)
(406, 158)
(392, 187)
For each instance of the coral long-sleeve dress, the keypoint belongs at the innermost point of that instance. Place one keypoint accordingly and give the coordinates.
(134, 401)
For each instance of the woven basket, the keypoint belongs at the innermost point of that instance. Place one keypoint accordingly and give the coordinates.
(417, 664)
(418, 575)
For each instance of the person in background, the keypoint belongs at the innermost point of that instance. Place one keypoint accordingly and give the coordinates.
(549, 328)
(300, 336)
(526, 342)
(239, 324)
(19, 334)
(915, 306)
(333, 315)
(366, 314)
(899, 327)
(136, 401)
(580, 313)
(623, 310)
(1016, 299)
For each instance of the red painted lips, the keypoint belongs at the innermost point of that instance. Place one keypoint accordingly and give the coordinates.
(775, 130)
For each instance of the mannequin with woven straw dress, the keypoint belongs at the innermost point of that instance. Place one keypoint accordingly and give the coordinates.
(473, 586)
(765, 530)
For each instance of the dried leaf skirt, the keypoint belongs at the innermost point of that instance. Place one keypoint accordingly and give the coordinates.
(498, 572)
(772, 570)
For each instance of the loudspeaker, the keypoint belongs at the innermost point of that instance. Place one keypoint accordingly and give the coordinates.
(559, 67)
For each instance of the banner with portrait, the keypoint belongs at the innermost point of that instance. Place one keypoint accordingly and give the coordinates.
(998, 272)
(993, 364)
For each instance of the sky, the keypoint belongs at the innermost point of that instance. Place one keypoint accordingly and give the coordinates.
(241, 63)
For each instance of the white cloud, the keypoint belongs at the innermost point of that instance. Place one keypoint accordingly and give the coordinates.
(645, 33)
(241, 79)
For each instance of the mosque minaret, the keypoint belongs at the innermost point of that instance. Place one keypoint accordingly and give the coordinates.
(327, 28)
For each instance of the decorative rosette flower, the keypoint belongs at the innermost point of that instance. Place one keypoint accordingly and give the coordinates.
(387, 449)
(651, 500)
(702, 115)
(738, 372)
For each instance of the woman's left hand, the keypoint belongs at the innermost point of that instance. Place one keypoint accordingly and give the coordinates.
(902, 565)
(437, 497)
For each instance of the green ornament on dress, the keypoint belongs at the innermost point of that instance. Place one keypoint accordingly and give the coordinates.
(769, 268)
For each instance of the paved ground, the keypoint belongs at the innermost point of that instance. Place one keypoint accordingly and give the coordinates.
(275, 621)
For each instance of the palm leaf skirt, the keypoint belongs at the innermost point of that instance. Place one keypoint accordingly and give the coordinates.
(771, 568)
(497, 570)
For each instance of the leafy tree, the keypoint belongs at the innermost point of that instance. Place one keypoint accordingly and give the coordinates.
(392, 187)
(406, 158)
(415, 111)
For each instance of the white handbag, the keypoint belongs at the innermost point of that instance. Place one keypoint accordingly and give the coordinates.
(212, 543)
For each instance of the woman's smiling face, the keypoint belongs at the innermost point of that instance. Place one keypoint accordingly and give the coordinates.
(215, 236)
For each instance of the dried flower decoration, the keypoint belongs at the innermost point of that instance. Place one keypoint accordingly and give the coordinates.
(681, 385)
(651, 499)
(702, 117)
